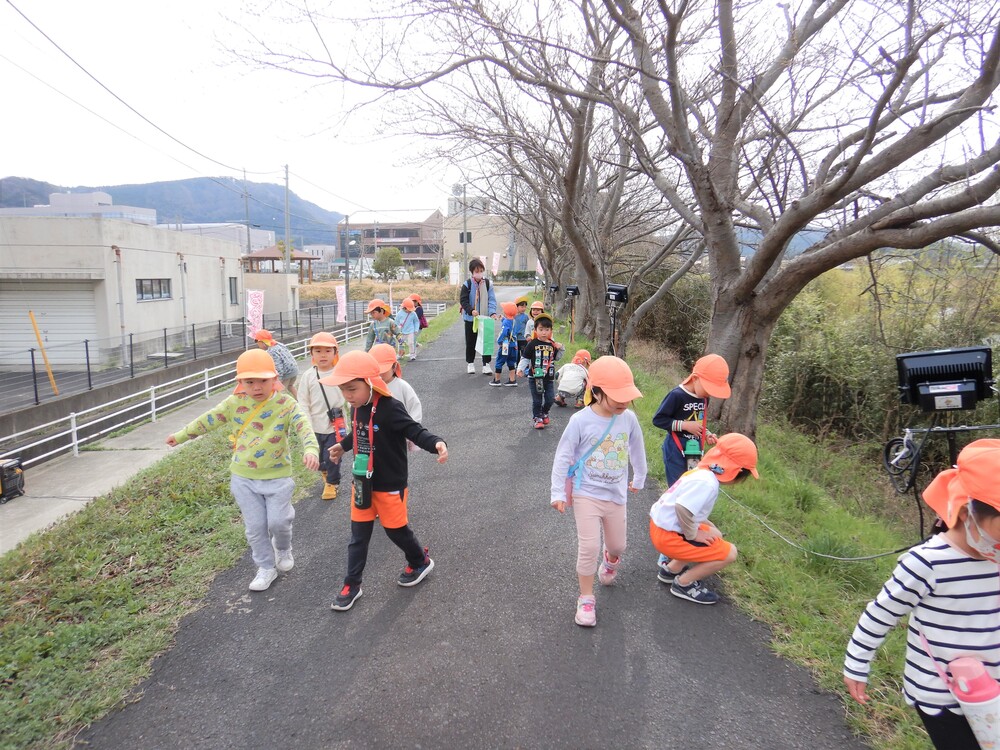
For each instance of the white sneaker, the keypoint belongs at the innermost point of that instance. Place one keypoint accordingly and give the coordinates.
(263, 580)
(285, 561)
(471, 369)
(487, 370)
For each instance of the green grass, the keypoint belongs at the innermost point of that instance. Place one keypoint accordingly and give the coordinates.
(89, 603)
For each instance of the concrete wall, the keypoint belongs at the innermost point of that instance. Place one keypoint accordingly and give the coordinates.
(281, 290)
(490, 234)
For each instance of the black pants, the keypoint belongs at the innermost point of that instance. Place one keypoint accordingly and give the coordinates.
(470, 345)
(331, 471)
(949, 731)
(357, 550)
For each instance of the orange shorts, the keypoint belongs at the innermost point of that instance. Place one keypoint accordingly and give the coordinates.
(676, 547)
(388, 507)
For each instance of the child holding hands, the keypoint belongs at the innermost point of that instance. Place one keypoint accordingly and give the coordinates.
(260, 417)
(324, 405)
(590, 471)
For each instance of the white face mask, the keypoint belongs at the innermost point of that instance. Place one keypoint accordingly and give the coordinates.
(987, 547)
(477, 277)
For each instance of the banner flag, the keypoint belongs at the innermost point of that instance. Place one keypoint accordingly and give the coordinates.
(255, 311)
(341, 305)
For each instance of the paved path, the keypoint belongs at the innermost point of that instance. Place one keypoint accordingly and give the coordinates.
(484, 652)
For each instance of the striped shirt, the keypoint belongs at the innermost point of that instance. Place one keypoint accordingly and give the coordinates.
(953, 599)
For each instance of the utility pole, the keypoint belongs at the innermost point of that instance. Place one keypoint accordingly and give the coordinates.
(288, 229)
(465, 234)
(347, 268)
(246, 208)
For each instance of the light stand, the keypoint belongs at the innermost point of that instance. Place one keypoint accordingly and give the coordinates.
(616, 297)
(572, 292)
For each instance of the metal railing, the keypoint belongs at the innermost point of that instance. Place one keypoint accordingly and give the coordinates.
(71, 432)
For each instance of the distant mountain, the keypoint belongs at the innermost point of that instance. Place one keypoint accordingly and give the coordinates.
(198, 200)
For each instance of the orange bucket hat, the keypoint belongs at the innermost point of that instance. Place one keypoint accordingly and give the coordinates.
(732, 453)
(358, 365)
(509, 309)
(255, 363)
(713, 372)
(385, 355)
(416, 298)
(976, 477)
(582, 357)
(266, 336)
(614, 377)
(376, 303)
(408, 304)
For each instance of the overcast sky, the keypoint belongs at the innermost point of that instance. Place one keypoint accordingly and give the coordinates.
(167, 60)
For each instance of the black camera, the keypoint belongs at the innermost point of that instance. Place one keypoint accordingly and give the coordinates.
(617, 294)
(572, 290)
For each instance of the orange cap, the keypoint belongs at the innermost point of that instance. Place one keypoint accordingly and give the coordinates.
(976, 477)
(537, 305)
(323, 339)
(408, 305)
(713, 372)
(385, 355)
(376, 303)
(509, 309)
(266, 336)
(582, 357)
(358, 365)
(416, 298)
(732, 453)
(614, 377)
(256, 363)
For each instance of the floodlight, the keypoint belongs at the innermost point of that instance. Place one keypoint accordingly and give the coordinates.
(946, 379)
(617, 294)
(572, 290)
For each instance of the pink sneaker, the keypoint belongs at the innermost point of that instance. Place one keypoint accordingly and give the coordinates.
(608, 570)
(586, 611)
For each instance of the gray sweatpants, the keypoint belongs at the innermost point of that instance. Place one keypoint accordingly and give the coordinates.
(267, 513)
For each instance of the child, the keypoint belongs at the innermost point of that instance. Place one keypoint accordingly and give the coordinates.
(572, 379)
(593, 455)
(409, 325)
(284, 360)
(520, 321)
(948, 586)
(419, 310)
(539, 356)
(476, 299)
(506, 347)
(679, 525)
(392, 376)
(682, 415)
(537, 308)
(260, 418)
(380, 427)
(324, 404)
(383, 329)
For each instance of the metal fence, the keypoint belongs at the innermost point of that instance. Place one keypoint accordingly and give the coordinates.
(71, 432)
(91, 363)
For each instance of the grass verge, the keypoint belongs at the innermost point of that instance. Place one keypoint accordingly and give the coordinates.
(87, 605)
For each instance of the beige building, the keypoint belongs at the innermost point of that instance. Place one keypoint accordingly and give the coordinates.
(491, 235)
(93, 278)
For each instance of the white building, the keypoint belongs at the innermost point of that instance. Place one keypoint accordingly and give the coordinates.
(85, 205)
(231, 232)
(97, 278)
(491, 236)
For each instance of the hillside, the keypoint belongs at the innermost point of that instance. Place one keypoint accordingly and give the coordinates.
(198, 200)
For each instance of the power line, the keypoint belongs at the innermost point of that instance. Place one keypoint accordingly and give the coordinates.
(125, 103)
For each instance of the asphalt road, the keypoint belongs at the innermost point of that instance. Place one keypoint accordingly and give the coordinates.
(484, 653)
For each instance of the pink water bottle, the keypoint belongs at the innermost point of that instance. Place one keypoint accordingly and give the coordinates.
(979, 696)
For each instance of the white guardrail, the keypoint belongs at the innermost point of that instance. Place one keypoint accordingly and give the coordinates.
(154, 400)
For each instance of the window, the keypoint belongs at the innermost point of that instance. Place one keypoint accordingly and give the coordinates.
(152, 289)
(234, 297)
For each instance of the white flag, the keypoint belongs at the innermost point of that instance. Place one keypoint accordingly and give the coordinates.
(538, 268)
(496, 264)
(255, 311)
(341, 305)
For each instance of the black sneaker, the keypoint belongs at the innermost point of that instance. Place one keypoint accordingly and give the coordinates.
(695, 592)
(413, 576)
(346, 598)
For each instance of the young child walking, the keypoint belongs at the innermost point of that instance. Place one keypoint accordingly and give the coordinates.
(324, 404)
(679, 524)
(409, 326)
(507, 351)
(948, 585)
(260, 417)
(379, 430)
(590, 471)
(419, 310)
(392, 376)
(538, 362)
(537, 308)
(383, 329)
(682, 415)
(520, 322)
(571, 380)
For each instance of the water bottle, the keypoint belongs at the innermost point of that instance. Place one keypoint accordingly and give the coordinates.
(979, 696)
(692, 453)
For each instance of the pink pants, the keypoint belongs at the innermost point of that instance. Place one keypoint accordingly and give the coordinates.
(591, 516)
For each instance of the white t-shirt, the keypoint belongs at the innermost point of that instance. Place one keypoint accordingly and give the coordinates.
(402, 390)
(605, 472)
(571, 378)
(696, 490)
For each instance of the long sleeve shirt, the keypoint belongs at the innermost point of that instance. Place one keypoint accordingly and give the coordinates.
(284, 361)
(687, 503)
(408, 322)
(539, 359)
(571, 378)
(679, 405)
(404, 393)
(392, 427)
(953, 599)
(472, 303)
(605, 471)
(261, 450)
(310, 397)
(383, 331)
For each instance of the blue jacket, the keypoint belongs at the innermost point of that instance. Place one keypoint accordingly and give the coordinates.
(520, 321)
(466, 300)
(409, 322)
(507, 332)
